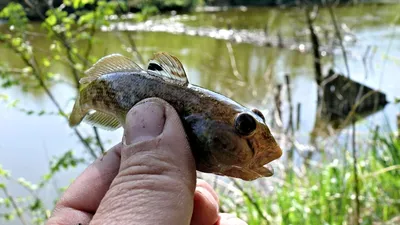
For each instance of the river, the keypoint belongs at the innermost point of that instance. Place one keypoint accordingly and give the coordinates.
(27, 142)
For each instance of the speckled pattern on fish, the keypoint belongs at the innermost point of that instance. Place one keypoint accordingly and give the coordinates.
(226, 138)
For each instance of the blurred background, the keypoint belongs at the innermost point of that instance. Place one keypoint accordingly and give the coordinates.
(325, 73)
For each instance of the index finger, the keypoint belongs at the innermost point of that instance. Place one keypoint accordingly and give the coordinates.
(83, 196)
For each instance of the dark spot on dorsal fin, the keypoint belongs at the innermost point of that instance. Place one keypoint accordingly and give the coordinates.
(168, 68)
(153, 66)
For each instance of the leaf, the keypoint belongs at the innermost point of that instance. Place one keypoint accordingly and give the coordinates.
(4, 173)
(67, 2)
(10, 9)
(8, 216)
(27, 184)
(123, 6)
(80, 3)
(4, 97)
(27, 70)
(51, 20)
(46, 62)
(68, 34)
(74, 50)
(62, 114)
(65, 161)
(37, 204)
(13, 104)
(16, 42)
(78, 66)
(68, 21)
(86, 18)
(85, 36)
(7, 202)
(76, 3)
(15, 15)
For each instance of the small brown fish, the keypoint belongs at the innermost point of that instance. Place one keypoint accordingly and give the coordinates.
(225, 137)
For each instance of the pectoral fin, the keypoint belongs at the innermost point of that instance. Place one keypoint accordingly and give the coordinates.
(102, 120)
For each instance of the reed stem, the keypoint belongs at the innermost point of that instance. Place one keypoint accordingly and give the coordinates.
(355, 173)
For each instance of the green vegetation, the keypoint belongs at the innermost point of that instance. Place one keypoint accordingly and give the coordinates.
(63, 45)
(64, 31)
(325, 193)
(162, 5)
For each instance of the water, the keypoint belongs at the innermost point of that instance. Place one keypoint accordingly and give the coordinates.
(28, 142)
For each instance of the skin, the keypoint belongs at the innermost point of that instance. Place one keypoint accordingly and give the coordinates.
(149, 178)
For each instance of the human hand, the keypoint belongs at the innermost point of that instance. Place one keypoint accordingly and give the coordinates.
(150, 178)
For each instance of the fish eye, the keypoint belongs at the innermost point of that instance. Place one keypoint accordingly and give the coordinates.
(259, 113)
(245, 124)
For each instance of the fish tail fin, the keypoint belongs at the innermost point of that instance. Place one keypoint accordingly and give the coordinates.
(76, 115)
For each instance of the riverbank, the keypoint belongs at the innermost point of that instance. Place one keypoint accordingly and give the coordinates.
(184, 6)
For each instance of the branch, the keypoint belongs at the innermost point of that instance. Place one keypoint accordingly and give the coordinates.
(72, 62)
(131, 41)
(57, 35)
(233, 61)
(86, 56)
(15, 206)
(33, 194)
(36, 73)
(134, 48)
(98, 140)
(339, 36)
(315, 47)
(251, 200)
(75, 72)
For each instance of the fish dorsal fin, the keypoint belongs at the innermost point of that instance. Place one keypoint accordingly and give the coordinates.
(110, 64)
(168, 67)
(102, 120)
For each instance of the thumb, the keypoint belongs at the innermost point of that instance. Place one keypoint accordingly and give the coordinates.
(156, 178)
(154, 130)
(145, 121)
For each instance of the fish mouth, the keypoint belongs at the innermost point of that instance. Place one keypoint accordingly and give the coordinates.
(263, 150)
(268, 170)
(267, 155)
(260, 165)
(264, 171)
(249, 174)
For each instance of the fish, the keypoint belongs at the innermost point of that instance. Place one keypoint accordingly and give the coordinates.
(225, 137)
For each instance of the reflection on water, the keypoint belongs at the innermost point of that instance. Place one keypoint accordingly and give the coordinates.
(343, 101)
(288, 19)
(27, 142)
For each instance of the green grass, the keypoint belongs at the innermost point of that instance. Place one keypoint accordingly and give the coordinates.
(325, 193)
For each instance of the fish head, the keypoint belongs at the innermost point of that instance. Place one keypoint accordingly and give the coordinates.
(240, 146)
